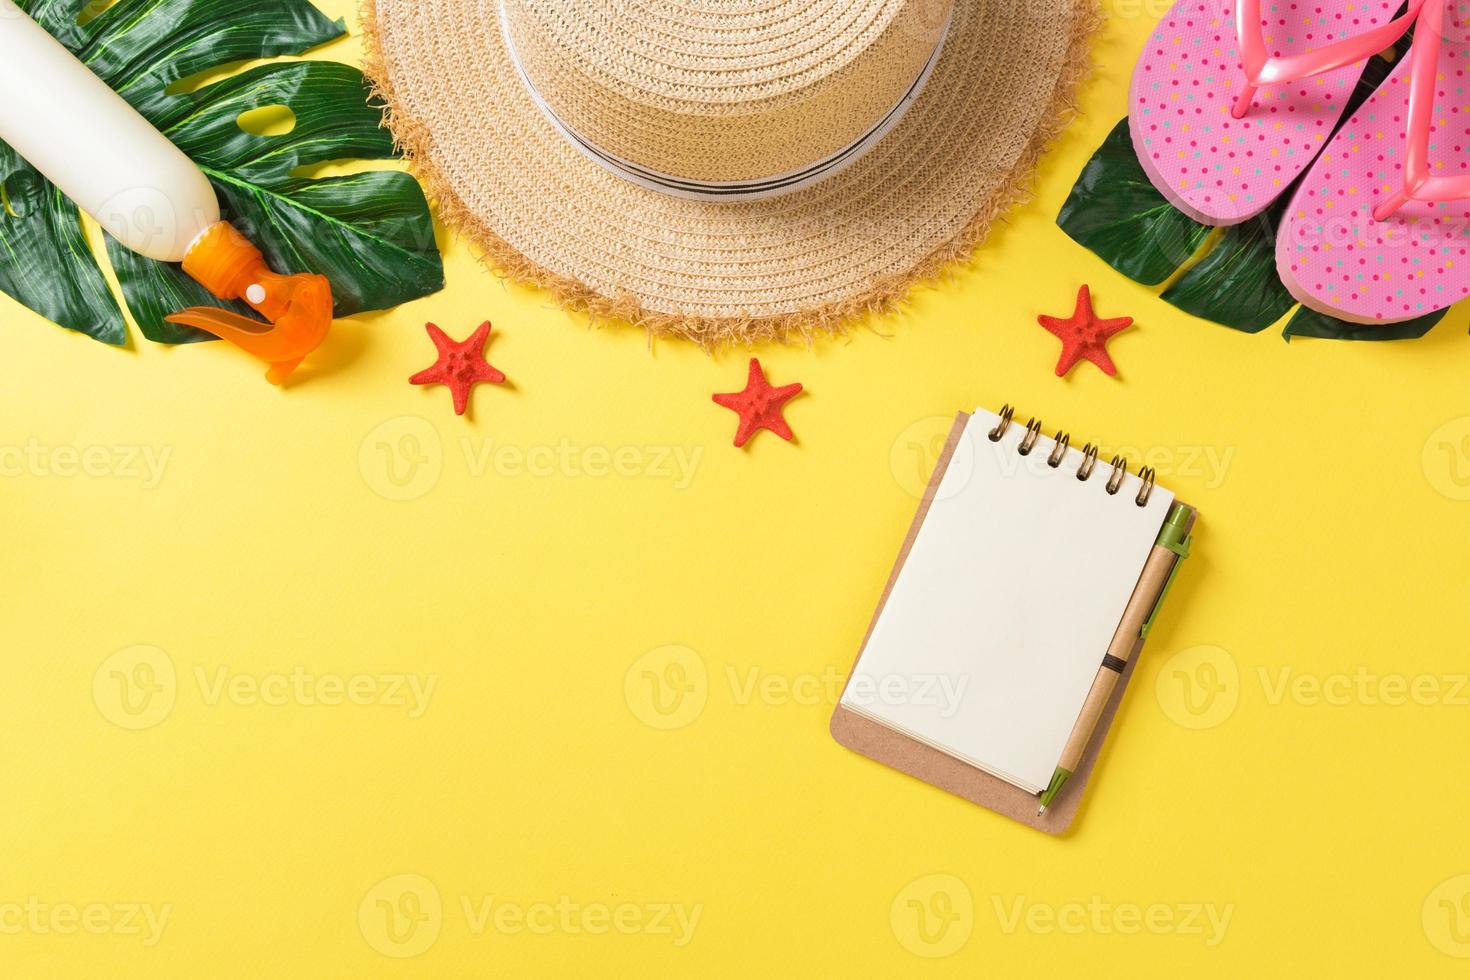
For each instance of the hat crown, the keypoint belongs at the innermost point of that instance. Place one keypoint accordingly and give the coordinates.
(722, 91)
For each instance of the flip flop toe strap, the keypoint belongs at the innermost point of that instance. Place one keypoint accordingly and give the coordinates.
(1419, 184)
(1262, 69)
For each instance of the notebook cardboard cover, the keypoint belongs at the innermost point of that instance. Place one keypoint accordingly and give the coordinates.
(883, 744)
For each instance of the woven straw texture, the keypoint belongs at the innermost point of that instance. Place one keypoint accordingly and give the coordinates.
(721, 272)
(750, 94)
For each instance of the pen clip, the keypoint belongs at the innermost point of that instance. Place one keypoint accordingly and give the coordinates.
(1182, 551)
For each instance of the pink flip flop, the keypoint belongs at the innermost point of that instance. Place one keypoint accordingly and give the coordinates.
(1229, 103)
(1379, 229)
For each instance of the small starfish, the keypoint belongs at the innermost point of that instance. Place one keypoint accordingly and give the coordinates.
(759, 405)
(461, 366)
(1084, 334)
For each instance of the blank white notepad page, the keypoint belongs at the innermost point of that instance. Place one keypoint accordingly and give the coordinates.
(1009, 597)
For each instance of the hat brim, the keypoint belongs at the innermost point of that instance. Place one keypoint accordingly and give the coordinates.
(715, 272)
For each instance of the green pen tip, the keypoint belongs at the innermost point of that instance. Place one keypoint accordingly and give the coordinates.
(1057, 779)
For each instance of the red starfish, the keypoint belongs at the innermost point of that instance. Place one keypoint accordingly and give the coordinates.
(1084, 334)
(461, 366)
(759, 405)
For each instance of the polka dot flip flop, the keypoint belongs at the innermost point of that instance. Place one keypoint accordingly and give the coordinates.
(1231, 100)
(1379, 229)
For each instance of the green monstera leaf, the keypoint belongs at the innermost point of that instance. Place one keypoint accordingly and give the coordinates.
(1310, 323)
(1236, 284)
(1115, 211)
(48, 264)
(369, 233)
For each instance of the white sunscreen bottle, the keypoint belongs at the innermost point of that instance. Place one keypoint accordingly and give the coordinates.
(96, 148)
(101, 152)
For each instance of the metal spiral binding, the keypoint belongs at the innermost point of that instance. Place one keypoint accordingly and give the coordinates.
(1028, 441)
(1146, 474)
(1089, 460)
(1063, 441)
(1059, 451)
(1006, 413)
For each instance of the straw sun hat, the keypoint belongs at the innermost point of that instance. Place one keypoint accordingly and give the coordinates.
(725, 170)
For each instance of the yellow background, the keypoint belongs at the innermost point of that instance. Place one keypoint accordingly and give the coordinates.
(1330, 829)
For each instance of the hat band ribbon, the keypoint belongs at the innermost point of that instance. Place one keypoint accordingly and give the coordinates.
(745, 190)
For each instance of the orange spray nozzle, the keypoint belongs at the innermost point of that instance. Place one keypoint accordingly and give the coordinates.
(299, 307)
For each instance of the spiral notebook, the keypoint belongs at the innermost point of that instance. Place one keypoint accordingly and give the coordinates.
(1010, 586)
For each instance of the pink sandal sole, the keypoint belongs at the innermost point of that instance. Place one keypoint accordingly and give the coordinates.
(1192, 78)
(1412, 257)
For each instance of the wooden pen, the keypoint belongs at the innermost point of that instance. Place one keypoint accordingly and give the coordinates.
(1169, 549)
